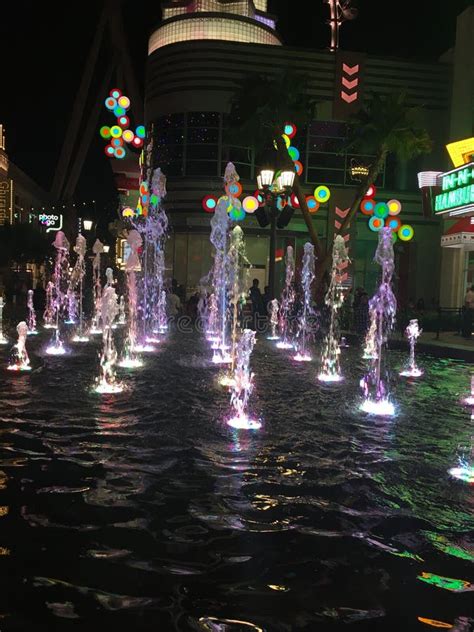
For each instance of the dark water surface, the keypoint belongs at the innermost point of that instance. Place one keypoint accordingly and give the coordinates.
(144, 511)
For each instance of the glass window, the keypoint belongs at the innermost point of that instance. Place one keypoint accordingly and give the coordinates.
(201, 168)
(201, 152)
(202, 135)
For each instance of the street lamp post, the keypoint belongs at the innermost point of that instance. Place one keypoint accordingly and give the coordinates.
(273, 189)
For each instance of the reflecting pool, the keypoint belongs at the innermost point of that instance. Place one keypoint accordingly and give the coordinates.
(144, 510)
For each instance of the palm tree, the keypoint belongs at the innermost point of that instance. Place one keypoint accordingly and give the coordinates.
(385, 125)
(259, 109)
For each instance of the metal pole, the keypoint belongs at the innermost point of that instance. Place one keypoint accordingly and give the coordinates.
(271, 263)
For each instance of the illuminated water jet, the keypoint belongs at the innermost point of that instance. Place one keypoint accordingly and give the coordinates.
(32, 331)
(19, 360)
(412, 332)
(3, 340)
(97, 249)
(273, 320)
(49, 313)
(287, 301)
(78, 275)
(132, 265)
(383, 307)
(243, 384)
(303, 332)
(107, 383)
(334, 299)
(60, 277)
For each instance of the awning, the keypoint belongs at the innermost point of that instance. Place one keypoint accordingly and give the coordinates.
(460, 235)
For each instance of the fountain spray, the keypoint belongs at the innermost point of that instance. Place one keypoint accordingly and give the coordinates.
(287, 301)
(97, 249)
(3, 340)
(159, 232)
(384, 306)
(243, 384)
(219, 239)
(273, 320)
(31, 315)
(132, 265)
(122, 319)
(49, 310)
(79, 273)
(19, 360)
(239, 267)
(370, 346)
(412, 332)
(307, 276)
(334, 299)
(109, 309)
(61, 272)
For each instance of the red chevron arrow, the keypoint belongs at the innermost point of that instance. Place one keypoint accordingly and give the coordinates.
(348, 98)
(350, 70)
(347, 237)
(337, 224)
(350, 84)
(341, 213)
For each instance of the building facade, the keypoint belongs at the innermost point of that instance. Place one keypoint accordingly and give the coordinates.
(198, 56)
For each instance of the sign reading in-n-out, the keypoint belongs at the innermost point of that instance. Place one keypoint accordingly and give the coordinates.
(457, 191)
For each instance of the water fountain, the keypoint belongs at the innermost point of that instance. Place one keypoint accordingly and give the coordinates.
(71, 299)
(132, 265)
(97, 249)
(239, 267)
(219, 238)
(287, 302)
(61, 272)
(464, 471)
(303, 331)
(469, 400)
(107, 382)
(334, 299)
(3, 340)
(273, 320)
(19, 360)
(159, 231)
(32, 331)
(243, 384)
(412, 332)
(384, 307)
(122, 318)
(79, 273)
(370, 347)
(49, 310)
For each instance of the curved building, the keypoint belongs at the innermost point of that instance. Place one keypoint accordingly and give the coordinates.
(198, 55)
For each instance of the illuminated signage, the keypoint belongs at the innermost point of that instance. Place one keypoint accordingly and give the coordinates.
(5, 201)
(461, 152)
(457, 191)
(53, 222)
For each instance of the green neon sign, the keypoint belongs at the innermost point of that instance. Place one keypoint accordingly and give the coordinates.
(457, 190)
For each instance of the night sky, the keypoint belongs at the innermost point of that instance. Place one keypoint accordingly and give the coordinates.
(44, 46)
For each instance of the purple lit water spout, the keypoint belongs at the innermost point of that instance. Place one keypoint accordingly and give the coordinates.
(287, 302)
(19, 360)
(78, 275)
(303, 332)
(383, 307)
(3, 340)
(412, 332)
(97, 249)
(243, 384)
(60, 279)
(132, 265)
(334, 299)
(273, 320)
(31, 314)
(107, 382)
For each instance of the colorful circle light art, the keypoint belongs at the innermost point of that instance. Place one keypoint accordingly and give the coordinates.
(209, 203)
(367, 206)
(128, 212)
(250, 204)
(322, 194)
(119, 103)
(381, 210)
(234, 189)
(258, 196)
(294, 153)
(371, 191)
(393, 222)
(313, 204)
(298, 167)
(376, 224)
(394, 207)
(290, 129)
(405, 232)
(294, 201)
(237, 214)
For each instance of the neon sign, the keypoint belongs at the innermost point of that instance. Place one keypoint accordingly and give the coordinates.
(457, 186)
(53, 222)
